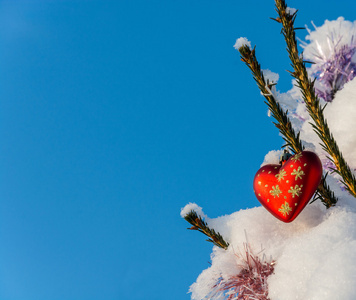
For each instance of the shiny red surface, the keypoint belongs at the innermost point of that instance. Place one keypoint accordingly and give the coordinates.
(285, 190)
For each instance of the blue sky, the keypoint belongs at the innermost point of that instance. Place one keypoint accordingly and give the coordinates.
(114, 115)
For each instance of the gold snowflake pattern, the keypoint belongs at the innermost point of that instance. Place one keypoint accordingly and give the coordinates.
(296, 157)
(298, 173)
(275, 191)
(281, 174)
(285, 209)
(295, 191)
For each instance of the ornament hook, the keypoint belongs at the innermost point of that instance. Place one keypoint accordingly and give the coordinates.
(285, 156)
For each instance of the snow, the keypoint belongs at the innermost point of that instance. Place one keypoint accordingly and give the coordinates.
(242, 41)
(342, 121)
(315, 255)
(341, 118)
(328, 37)
(271, 76)
(315, 264)
(272, 157)
(332, 48)
(329, 43)
(192, 206)
(291, 10)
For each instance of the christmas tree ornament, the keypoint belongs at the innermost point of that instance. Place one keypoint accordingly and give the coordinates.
(285, 189)
(334, 65)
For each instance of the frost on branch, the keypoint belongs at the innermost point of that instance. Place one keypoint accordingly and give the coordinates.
(241, 42)
(192, 206)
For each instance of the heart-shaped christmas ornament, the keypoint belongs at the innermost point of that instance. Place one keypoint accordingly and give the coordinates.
(285, 189)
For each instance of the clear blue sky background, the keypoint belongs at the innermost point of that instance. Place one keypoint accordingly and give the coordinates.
(114, 115)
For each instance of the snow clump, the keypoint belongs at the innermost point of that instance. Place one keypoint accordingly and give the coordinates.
(242, 41)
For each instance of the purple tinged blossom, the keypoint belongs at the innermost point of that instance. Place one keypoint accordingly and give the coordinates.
(333, 72)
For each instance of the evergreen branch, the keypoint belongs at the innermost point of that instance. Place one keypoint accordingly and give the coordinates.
(200, 225)
(284, 125)
(312, 102)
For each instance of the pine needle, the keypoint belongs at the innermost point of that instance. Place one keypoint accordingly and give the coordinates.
(284, 124)
(311, 100)
(200, 225)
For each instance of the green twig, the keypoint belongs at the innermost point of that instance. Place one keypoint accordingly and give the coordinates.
(284, 125)
(311, 101)
(200, 225)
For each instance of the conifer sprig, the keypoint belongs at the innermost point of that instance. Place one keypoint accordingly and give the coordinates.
(284, 125)
(311, 101)
(200, 225)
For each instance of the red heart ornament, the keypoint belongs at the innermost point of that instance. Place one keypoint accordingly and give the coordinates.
(284, 190)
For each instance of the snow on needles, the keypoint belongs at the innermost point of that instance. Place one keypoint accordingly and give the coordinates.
(315, 255)
(242, 41)
(192, 206)
(291, 10)
(270, 76)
